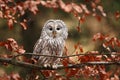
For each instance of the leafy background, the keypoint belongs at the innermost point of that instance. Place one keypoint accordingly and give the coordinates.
(90, 25)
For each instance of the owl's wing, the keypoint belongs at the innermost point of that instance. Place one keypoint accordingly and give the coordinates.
(37, 48)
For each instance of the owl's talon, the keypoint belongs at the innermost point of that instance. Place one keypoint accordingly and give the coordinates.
(46, 65)
(54, 66)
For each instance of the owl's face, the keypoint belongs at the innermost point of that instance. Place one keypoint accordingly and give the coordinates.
(56, 29)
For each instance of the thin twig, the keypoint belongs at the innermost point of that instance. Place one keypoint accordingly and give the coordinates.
(33, 66)
(32, 54)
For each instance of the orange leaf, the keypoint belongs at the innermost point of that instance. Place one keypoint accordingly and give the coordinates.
(80, 48)
(2, 43)
(10, 23)
(98, 36)
(98, 18)
(77, 8)
(72, 72)
(75, 46)
(23, 24)
(78, 29)
(117, 15)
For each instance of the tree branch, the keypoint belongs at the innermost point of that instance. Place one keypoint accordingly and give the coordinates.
(32, 54)
(33, 66)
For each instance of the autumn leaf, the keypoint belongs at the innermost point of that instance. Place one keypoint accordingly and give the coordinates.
(77, 8)
(100, 8)
(78, 28)
(98, 17)
(72, 72)
(2, 43)
(98, 36)
(15, 76)
(1, 14)
(83, 6)
(117, 15)
(12, 45)
(10, 23)
(80, 48)
(23, 24)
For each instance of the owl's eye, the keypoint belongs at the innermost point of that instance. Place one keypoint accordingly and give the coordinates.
(58, 28)
(50, 28)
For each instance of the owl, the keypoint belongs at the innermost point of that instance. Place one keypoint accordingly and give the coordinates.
(51, 42)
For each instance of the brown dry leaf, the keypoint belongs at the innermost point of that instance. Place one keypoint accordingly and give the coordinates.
(77, 8)
(10, 23)
(32, 5)
(93, 5)
(68, 8)
(97, 1)
(12, 45)
(62, 4)
(1, 14)
(15, 76)
(98, 36)
(100, 8)
(24, 25)
(65, 7)
(72, 72)
(5, 77)
(43, 2)
(117, 15)
(21, 9)
(83, 6)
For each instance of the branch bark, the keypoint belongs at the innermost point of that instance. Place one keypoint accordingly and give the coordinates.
(33, 66)
(32, 54)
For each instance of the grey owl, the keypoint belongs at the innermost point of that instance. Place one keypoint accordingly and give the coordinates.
(51, 42)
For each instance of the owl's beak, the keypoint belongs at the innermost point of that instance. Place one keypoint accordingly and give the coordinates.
(54, 34)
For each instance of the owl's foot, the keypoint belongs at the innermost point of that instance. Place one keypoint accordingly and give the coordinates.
(47, 65)
(54, 66)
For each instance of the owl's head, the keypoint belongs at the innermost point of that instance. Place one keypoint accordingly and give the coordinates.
(55, 29)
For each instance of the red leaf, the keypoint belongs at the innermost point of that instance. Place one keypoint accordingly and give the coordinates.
(97, 1)
(2, 43)
(83, 6)
(68, 8)
(98, 36)
(23, 24)
(65, 50)
(98, 18)
(32, 5)
(15, 76)
(59, 77)
(12, 45)
(117, 15)
(10, 23)
(75, 46)
(65, 7)
(93, 5)
(62, 4)
(4, 77)
(46, 73)
(1, 14)
(78, 29)
(77, 8)
(65, 62)
(72, 72)
(100, 8)
(82, 19)
(80, 48)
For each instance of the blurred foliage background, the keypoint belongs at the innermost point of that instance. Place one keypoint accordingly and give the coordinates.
(107, 25)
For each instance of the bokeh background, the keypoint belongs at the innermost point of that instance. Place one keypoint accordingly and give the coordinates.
(27, 38)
